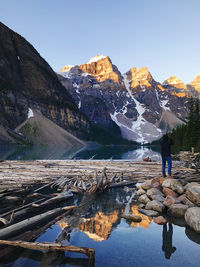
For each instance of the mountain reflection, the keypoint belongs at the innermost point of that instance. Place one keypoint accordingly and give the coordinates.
(145, 219)
(100, 226)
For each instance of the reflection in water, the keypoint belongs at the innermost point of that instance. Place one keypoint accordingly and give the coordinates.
(37, 152)
(167, 241)
(145, 219)
(100, 226)
(141, 153)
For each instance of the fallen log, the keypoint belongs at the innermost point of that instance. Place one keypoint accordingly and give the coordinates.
(30, 236)
(58, 198)
(21, 208)
(121, 184)
(27, 224)
(90, 252)
(129, 216)
(74, 220)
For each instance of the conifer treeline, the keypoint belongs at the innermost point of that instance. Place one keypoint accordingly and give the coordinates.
(188, 135)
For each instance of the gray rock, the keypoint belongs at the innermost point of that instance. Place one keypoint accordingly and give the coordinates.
(170, 200)
(141, 206)
(174, 185)
(145, 186)
(155, 205)
(143, 199)
(158, 198)
(193, 194)
(149, 213)
(141, 192)
(190, 184)
(189, 203)
(131, 217)
(138, 186)
(192, 218)
(177, 210)
(154, 191)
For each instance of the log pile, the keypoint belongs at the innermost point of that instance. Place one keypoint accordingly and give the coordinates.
(81, 173)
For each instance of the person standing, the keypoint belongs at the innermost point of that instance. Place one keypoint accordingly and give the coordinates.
(166, 144)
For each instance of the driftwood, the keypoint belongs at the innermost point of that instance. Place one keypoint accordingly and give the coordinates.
(32, 235)
(27, 224)
(90, 252)
(22, 207)
(78, 175)
(75, 219)
(127, 215)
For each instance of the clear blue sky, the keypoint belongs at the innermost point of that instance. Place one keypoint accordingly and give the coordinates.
(163, 35)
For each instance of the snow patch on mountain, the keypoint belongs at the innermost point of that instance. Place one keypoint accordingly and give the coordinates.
(95, 59)
(140, 130)
(163, 104)
(30, 113)
(65, 74)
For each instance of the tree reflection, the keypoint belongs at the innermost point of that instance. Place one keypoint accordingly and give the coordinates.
(167, 241)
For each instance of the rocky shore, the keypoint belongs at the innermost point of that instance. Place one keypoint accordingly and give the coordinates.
(172, 198)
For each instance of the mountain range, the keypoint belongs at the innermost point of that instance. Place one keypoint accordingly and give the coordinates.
(143, 108)
(92, 101)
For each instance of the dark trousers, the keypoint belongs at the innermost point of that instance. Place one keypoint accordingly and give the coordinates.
(169, 164)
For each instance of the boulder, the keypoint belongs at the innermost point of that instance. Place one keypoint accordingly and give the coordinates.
(155, 205)
(170, 200)
(141, 206)
(174, 185)
(158, 197)
(160, 220)
(193, 194)
(157, 180)
(145, 186)
(169, 192)
(155, 183)
(138, 186)
(141, 192)
(189, 203)
(143, 199)
(186, 201)
(182, 197)
(192, 218)
(177, 210)
(190, 184)
(154, 191)
(149, 213)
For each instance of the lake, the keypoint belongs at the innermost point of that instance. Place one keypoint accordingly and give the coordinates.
(117, 242)
(61, 153)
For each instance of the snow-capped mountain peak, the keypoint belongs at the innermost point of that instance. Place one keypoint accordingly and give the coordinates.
(142, 107)
(96, 58)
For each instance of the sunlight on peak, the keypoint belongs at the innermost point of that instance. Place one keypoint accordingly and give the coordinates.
(96, 58)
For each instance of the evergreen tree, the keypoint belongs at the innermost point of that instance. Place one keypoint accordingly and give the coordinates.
(187, 136)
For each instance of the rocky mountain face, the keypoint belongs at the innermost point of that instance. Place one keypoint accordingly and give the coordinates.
(143, 108)
(194, 86)
(27, 81)
(177, 87)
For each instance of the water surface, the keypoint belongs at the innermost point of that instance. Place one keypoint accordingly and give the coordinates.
(61, 153)
(117, 242)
